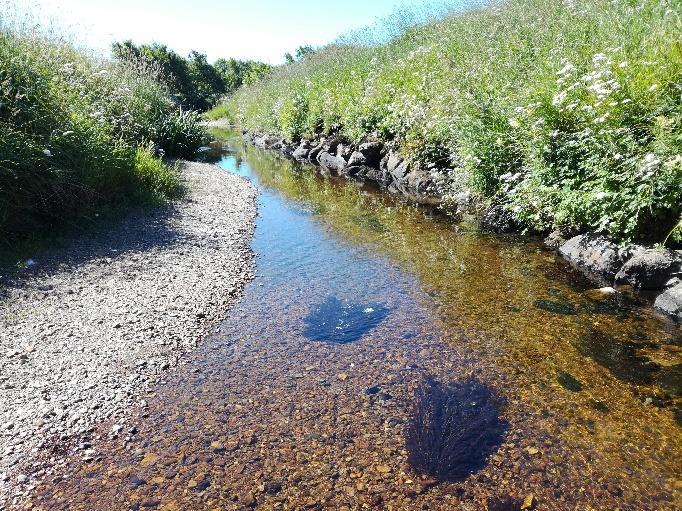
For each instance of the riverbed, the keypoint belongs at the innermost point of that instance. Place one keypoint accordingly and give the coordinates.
(301, 395)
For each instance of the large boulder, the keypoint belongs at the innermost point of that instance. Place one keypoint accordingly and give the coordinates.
(649, 269)
(331, 162)
(593, 253)
(670, 302)
(357, 159)
(302, 151)
(372, 153)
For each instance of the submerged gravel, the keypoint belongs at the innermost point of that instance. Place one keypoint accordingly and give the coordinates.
(85, 331)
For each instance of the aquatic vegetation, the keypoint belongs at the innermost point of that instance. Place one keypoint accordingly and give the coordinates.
(511, 101)
(453, 429)
(569, 382)
(556, 307)
(343, 321)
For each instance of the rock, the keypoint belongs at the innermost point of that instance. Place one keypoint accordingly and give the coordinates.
(357, 159)
(670, 302)
(499, 219)
(342, 376)
(528, 502)
(532, 450)
(315, 151)
(392, 160)
(593, 253)
(601, 293)
(650, 269)
(21, 479)
(371, 151)
(302, 151)
(554, 240)
(331, 162)
(399, 171)
(383, 469)
(268, 142)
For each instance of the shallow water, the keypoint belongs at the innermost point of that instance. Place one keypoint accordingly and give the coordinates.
(300, 400)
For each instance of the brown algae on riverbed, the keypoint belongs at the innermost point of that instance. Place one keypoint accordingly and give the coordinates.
(263, 416)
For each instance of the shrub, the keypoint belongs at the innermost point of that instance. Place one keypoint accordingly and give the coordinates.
(453, 429)
(566, 112)
(74, 132)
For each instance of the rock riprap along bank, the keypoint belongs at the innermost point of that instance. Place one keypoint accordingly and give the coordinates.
(656, 271)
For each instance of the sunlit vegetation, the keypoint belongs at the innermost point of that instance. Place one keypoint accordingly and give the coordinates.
(80, 135)
(193, 82)
(568, 113)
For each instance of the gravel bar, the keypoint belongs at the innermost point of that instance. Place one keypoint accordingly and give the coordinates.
(87, 330)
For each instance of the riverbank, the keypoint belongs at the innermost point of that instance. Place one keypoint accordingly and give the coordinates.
(654, 271)
(87, 330)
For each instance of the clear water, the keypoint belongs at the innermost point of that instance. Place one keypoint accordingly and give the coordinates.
(301, 399)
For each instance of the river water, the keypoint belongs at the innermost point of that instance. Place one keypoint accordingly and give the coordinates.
(301, 397)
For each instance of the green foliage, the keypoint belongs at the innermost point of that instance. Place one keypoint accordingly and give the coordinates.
(71, 129)
(154, 176)
(567, 112)
(193, 82)
(236, 73)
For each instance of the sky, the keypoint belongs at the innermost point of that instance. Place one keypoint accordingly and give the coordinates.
(247, 29)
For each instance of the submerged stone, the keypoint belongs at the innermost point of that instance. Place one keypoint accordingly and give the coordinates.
(342, 321)
(620, 357)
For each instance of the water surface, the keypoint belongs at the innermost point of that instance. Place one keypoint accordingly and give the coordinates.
(300, 399)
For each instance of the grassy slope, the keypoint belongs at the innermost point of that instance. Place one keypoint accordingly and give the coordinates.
(78, 136)
(567, 112)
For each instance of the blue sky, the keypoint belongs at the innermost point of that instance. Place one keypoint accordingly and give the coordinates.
(252, 29)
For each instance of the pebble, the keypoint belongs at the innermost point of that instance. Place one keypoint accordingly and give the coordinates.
(85, 319)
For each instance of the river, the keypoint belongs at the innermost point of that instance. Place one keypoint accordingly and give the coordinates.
(301, 396)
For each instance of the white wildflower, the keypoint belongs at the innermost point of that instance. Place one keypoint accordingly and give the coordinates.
(601, 195)
(567, 69)
(47, 152)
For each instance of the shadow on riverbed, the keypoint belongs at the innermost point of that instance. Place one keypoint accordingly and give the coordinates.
(342, 322)
(104, 240)
(453, 429)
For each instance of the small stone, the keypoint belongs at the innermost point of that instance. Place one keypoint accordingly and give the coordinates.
(532, 450)
(342, 376)
(528, 502)
(217, 447)
(21, 478)
(383, 469)
(247, 499)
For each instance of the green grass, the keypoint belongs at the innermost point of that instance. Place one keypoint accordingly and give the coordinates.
(220, 111)
(80, 135)
(568, 113)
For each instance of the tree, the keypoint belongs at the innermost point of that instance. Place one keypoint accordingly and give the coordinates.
(304, 51)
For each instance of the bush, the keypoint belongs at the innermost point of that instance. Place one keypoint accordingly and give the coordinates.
(453, 429)
(566, 112)
(74, 132)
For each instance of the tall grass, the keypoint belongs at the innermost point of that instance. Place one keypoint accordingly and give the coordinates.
(567, 112)
(79, 134)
